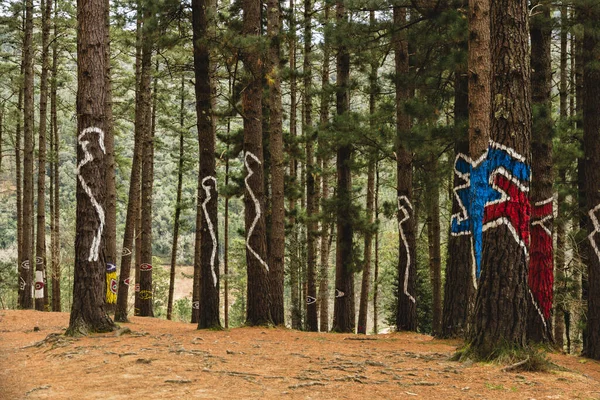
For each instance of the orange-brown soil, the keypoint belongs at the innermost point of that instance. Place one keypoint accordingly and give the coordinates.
(171, 360)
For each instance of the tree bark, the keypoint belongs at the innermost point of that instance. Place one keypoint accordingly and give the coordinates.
(376, 266)
(591, 144)
(19, 181)
(312, 320)
(207, 180)
(133, 204)
(26, 267)
(111, 190)
(294, 278)
(56, 269)
(501, 305)
(88, 313)
(366, 273)
(460, 285)
(541, 263)
(146, 95)
(178, 204)
(433, 233)
(323, 121)
(406, 313)
(277, 249)
(258, 307)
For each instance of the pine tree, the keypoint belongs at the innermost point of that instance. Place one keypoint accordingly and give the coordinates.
(258, 311)
(406, 314)
(343, 311)
(88, 313)
(207, 181)
(501, 306)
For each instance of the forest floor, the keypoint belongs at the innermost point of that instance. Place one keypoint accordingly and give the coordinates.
(172, 360)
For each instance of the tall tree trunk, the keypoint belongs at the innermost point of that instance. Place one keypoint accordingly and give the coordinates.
(294, 278)
(366, 273)
(226, 239)
(277, 249)
(376, 269)
(406, 313)
(133, 204)
(591, 145)
(541, 263)
(54, 193)
(433, 233)
(480, 107)
(207, 177)
(41, 295)
(501, 306)
(323, 121)
(561, 234)
(19, 181)
(258, 308)
(26, 267)
(147, 111)
(459, 288)
(178, 204)
(312, 319)
(343, 311)
(88, 313)
(111, 190)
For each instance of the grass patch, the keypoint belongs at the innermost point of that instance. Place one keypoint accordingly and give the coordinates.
(527, 359)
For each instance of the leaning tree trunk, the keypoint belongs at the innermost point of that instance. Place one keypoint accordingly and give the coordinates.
(277, 249)
(343, 310)
(41, 293)
(406, 313)
(88, 313)
(207, 177)
(501, 307)
(591, 145)
(541, 263)
(26, 267)
(258, 308)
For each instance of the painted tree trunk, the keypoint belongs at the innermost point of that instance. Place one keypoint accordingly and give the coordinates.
(111, 190)
(277, 250)
(209, 262)
(406, 313)
(27, 264)
(133, 208)
(88, 313)
(145, 294)
(501, 307)
(258, 307)
(591, 145)
(541, 262)
(55, 194)
(343, 311)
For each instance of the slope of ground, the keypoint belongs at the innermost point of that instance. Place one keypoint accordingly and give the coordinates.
(170, 360)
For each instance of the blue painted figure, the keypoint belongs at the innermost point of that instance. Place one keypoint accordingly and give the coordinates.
(481, 190)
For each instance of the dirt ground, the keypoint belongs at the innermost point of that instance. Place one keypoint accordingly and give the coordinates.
(171, 360)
